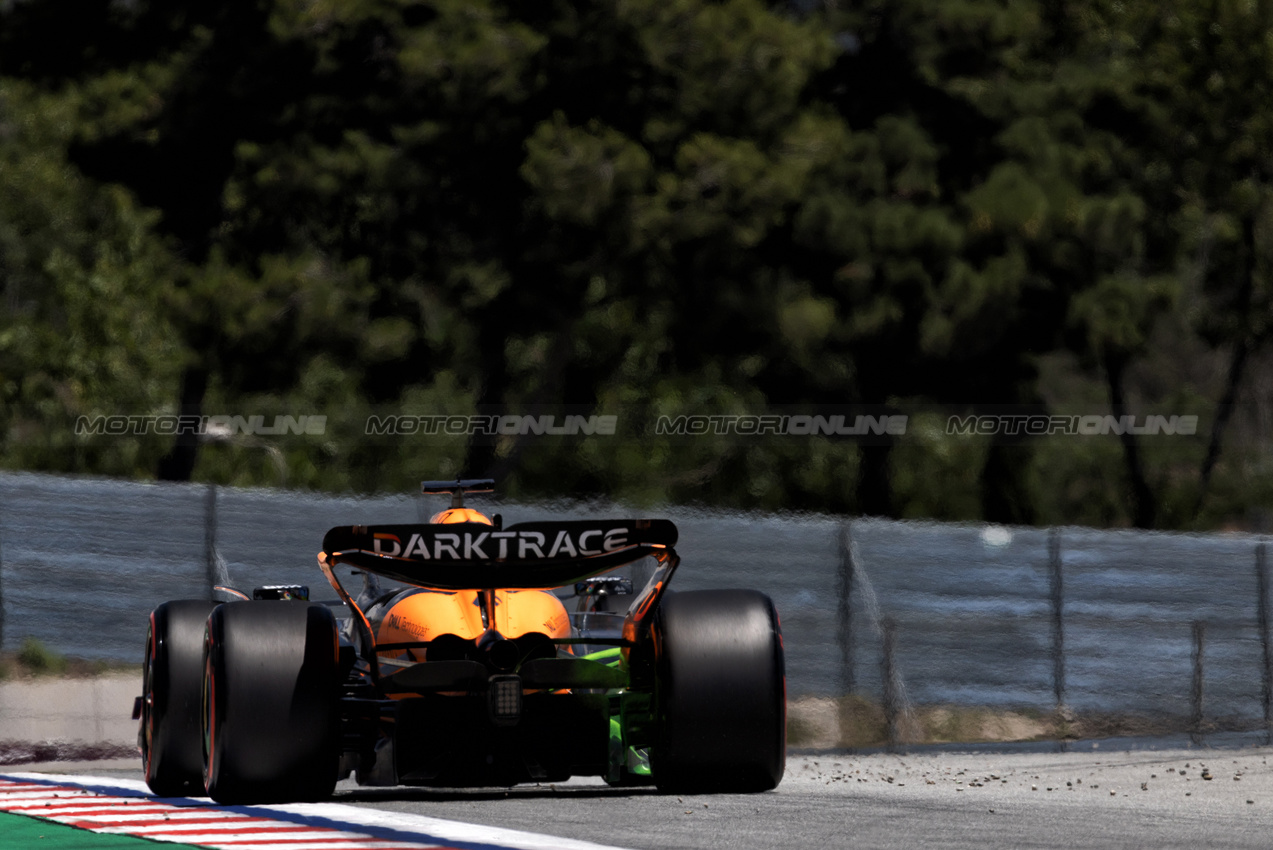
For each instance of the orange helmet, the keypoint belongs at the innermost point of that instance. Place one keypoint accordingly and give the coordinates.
(460, 515)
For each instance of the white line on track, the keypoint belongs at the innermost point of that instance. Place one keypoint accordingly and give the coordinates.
(123, 806)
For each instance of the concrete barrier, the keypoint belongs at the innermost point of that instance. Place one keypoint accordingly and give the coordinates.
(96, 710)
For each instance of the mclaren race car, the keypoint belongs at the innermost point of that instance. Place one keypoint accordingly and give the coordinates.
(454, 665)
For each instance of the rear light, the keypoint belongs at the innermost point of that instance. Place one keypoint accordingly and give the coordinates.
(505, 695)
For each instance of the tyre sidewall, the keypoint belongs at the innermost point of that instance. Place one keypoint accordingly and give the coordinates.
(271, 719)
(172, 682)
(720, 692)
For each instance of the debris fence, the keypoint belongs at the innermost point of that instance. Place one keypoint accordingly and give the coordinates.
(904, 613)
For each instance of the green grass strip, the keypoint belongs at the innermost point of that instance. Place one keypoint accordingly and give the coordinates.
(18, 832)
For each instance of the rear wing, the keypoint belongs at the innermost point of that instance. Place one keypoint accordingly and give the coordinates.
(475, 556)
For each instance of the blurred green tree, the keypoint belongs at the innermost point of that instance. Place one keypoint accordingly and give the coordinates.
(83, 328)
(643, 208)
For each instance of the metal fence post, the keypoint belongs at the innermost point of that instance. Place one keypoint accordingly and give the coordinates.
(1057, 595)
(1, 591)
(888, 677)
(1195, 719)
(1262, 616)
(210, 539)
(844, 611)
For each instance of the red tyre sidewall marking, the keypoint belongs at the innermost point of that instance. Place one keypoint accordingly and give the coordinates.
(149, 708)
(210, 711)
(782, 647)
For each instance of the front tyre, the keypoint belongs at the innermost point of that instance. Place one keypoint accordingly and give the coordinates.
(720, 693)
(170, 735)
(270, 694)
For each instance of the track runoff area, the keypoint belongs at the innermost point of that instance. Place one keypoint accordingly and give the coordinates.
(86, 813)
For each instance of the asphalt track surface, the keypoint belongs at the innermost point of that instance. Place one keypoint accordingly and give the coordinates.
(1087, 797)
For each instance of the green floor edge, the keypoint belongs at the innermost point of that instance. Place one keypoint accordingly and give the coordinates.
(18, 832)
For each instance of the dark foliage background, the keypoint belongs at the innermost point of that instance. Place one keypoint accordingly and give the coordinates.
(679, 206)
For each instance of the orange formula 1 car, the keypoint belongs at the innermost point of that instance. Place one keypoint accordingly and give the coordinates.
(468, 672)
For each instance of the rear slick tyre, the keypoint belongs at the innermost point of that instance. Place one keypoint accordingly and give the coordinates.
(270, 719)
(720, 693)
(172, 682)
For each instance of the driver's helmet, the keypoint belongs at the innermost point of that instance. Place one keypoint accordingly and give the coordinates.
(460, 515)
